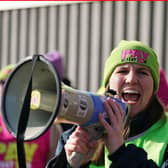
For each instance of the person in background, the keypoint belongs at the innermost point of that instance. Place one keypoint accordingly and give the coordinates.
(57, 58)
(163, 89)
(141, 141)
(37, 152)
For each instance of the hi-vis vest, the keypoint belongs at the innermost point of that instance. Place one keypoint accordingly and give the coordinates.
(154, 141)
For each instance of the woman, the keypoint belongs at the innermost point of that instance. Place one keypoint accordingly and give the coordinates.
(132, 70)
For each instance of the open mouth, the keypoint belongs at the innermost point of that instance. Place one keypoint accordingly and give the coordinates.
(131, 96)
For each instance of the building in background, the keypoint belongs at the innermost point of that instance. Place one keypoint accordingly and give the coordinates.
(84, 32)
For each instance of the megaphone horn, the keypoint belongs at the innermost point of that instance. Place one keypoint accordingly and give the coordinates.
(44, 77)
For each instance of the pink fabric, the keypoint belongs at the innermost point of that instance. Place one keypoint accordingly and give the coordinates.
(36, 151)
(163, 88)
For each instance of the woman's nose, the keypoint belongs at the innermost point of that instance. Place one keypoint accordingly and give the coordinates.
(131, 77)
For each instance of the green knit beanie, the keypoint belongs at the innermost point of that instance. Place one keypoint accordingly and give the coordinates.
(132, 52)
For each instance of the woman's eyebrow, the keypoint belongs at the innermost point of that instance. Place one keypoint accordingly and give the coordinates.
(144, 69)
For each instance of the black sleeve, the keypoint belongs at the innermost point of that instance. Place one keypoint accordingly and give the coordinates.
(58, 161)
(132, 157)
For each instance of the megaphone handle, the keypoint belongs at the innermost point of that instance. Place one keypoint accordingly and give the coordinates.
(76, 159)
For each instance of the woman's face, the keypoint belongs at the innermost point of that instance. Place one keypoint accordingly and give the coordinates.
(134, 85)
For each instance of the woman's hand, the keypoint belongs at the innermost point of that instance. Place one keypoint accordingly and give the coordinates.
(79, 141)
(114, 129)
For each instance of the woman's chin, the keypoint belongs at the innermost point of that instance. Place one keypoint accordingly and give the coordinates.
(133, 111)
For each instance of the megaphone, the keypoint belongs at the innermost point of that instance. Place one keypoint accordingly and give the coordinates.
(44, 76)
(50, 100)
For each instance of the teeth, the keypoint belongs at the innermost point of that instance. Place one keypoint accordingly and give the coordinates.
(131, 91)
(131, 96)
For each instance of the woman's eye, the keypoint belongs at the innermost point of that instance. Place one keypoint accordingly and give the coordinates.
(143, 72)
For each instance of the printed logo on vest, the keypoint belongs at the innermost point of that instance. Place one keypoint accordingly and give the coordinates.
(133, 55)
(8, 154)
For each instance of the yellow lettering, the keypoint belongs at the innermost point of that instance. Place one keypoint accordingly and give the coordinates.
(11, 153)
(30, 150)
(2, 148)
